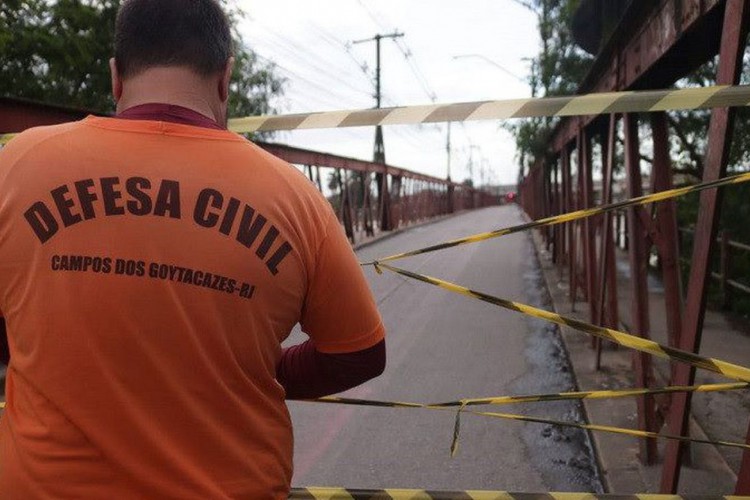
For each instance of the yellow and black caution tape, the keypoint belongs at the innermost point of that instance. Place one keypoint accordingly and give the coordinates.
(404, 494)
(725, 368)
(572, 216)
(501, 400)
(590, 104)
(538, 398)
(594, 427)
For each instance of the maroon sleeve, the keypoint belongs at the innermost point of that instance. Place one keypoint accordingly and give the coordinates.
(4, 348)
(306, 373)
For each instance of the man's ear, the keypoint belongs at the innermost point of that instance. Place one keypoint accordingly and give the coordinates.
(116, 80)
(226, 77)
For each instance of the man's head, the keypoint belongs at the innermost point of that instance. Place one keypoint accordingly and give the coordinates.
(172, 48)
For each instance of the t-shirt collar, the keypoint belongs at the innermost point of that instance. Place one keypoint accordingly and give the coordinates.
(169, 113)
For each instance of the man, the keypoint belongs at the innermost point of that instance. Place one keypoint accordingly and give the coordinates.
(150, 266)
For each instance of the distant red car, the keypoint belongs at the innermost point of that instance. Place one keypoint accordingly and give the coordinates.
(510, 197)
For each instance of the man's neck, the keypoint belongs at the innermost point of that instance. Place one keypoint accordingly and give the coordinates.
(173, 85)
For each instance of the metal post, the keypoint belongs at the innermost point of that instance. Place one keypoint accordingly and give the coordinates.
(577, 200)
(666, 215)
(346, 208)
(367, 204)
(565, 205)
(625, 232)
(725, 259)
(548, 199)
(589, 237)
(317, 178)
(639, 287)
(607, 267)
(569, 207)
(743, 476)
(617, 228)
(733, 41)
(556, 230)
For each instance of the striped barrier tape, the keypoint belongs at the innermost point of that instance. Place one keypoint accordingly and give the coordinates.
(404, 494)
(589, 427)
(537, 398)
(729, 370)
(531, 398)
(462, 404)
(572, 216)
(590, 104)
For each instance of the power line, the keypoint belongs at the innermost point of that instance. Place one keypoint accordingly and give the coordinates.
(406, 52)
(416, 70)
(334, 41)
(294, 74)
(294, 50)
(372, 15)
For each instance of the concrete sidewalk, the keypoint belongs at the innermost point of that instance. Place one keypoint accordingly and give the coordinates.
(715, 416)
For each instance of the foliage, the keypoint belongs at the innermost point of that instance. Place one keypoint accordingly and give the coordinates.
(557, 70)
(689, 129)
(57, 51)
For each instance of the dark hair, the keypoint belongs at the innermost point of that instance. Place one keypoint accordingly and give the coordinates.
(191, 33)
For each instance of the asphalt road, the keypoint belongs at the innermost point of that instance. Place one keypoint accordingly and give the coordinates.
(443, 347)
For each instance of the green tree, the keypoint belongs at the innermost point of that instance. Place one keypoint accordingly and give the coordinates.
(557, 70)
(57, 51)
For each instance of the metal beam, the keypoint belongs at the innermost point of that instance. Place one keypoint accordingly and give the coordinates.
(307, 157)
(666, 224)
(657, 43)
(16, 115)
(639, 317)
(733, 42)
(743, 476)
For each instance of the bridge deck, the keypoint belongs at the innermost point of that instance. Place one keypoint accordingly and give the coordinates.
(443, 347)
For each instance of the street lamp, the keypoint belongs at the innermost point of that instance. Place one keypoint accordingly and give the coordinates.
(488, 60)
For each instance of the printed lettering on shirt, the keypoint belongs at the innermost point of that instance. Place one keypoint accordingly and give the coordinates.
(152, 270)
(88, 199)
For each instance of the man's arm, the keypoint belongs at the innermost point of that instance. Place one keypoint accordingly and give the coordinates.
(306, 373)
(4, 348)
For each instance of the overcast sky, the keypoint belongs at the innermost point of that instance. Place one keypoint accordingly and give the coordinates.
(310, 41)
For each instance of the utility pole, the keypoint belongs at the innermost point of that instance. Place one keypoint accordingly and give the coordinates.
(379, 149)
(379, 152)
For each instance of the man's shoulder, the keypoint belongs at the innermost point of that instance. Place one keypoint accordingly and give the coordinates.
(295, 190)
(291, 174)
(35, 138)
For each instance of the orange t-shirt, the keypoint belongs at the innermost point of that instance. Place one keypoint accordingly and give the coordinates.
(148, 273)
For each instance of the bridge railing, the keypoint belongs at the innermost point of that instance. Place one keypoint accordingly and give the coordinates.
(563, 182)
(372, 198)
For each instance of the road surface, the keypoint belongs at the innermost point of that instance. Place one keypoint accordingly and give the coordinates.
(443, 347)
